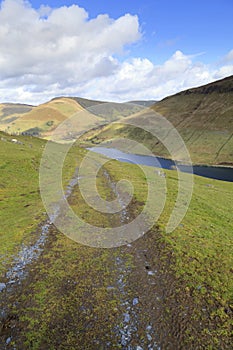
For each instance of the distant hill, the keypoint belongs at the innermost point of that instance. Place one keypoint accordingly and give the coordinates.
(145, 103)
(203, 116)
(42, 120)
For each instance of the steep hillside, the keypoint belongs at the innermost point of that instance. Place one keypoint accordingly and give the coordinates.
(203, 116)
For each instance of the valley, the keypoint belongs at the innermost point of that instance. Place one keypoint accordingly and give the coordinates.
(164, 290)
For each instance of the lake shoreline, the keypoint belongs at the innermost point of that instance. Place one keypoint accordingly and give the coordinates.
(222, 173)
(178, 161)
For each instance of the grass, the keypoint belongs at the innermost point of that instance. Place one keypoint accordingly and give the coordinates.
(203, 242)
(68, 287)
(201, 246)
(69, 298)
(21, 207)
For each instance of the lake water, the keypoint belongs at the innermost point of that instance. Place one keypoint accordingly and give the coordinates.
(212, 172)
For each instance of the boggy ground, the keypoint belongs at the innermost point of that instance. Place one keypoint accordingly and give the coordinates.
(78, 297)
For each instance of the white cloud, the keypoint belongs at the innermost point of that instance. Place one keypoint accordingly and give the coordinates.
(224, 71)
(51, 52)
(141, 79)
(229, 56)
(62, 46)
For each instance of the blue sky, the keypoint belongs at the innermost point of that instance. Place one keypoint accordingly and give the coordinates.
(159, 48)
(195, 26)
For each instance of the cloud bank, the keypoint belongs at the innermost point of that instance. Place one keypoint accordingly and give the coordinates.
(49, 52)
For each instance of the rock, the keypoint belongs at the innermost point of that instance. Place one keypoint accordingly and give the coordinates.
(151, 273)
(3, 315)
(2, 286)
(149, 328)
(8, 340)
(135, 301)
(127, 318)
(149, 337)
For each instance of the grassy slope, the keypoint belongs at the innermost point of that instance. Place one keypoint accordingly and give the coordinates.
(203, 117)
(46, 117)
(201, 246)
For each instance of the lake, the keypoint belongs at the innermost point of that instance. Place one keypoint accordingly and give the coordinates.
(212, 172)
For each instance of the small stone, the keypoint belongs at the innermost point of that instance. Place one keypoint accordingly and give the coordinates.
(151, 273)
(8, 340)
(123, 341)
(149, 337)
(127, 318)
(3, 315)
(135, 301)
(149, 328)
(2, 286)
